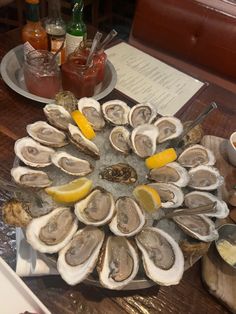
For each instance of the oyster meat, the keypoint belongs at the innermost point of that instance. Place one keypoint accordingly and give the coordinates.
(205, 178)
(30, 178)
(46, 134)
(82, 143)
(51, 232)
(118, 264)
(143, 139)
(92, 111)
(169, 128)
(162, 257)
(116, 112)
(121, 173)
(141, 114)
(196, 155)
(71, 165)
(32, 153)
(170, 173)
(96, 209)
(129, 218)
(120, 139)
(57, 116)
(78, 258)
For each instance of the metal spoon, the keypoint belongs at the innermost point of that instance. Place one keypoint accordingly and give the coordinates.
(93, 48)
(107, 39)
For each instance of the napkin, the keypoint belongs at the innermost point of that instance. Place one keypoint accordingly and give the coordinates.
(30, 262)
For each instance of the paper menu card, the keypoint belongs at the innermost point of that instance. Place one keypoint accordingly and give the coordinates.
(146, 79)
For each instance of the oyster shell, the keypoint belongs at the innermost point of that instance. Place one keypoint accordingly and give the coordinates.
(32, 153)
(143, 139)
(16, 213)
(120, 139)
(31, 178)
(92, 111)
(197, 226)
(116, 112)
(46, 134)
(205, 178)
(171, 195)
(121, 173)
(118, 264)
(169, 128)
(196, 198)
(170, 173)
(67, 100)
(96, 209)
(141, 114)
(57, 116)
(78, 258)
(194, 136)
(196, 155)
(51, 232)
(82, 143)
(71, 165)
(162, 257)
(129, 218)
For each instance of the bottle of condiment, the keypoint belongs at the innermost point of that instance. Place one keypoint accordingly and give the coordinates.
(76, 28)
(56, 29)
(33, 34)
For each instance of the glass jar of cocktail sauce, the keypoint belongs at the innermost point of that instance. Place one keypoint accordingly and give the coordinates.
(99, 58)
(42, 74)
(77, 76)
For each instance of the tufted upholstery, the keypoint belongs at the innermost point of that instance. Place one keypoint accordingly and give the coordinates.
(201, 32)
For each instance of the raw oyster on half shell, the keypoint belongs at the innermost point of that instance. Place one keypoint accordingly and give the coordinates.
(162, 257)
(118, 264)
(71, 165)
(30, 178)
(51, 232)
(92, 111)
(196, 155)
(120, 139)
(205, 178)
(141, 114)
(78, 258)
(121, 173)
(57, 116)
(116, 112)
(129, 218)
(32, 153)
(169, 128)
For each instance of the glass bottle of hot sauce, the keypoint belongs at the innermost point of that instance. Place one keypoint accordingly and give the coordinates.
(34, 35)
(76, 28)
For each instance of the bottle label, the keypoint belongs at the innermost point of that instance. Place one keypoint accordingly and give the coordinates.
(72, 42)
(27, 48)
(55, 44)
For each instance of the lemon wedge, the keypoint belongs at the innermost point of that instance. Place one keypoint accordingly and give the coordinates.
(70, 192)
(147, 197)
(83, 124)
(161, 159)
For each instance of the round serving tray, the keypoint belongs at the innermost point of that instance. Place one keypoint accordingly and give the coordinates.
(12, 74)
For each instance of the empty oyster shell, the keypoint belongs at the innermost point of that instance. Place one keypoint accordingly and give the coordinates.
(51, 232)
(82, 143)
(78, 258)
(32, 153)
(143, 139)
(96, 209)
(194, 136)
(116, 112)
(118, 264)
(196, 155)
(129, 218)
(171, 195)
(170, 173)
(16, 213)
(119, 139)
(197, 226)
(205, 178)
(29, 177)
(72, 165)
(92, 111)
(121, 173)
(46, 134)
(67, 100)
(169, 128)
(57, 116)
(141, 114)
(162, 257)
(196, 198)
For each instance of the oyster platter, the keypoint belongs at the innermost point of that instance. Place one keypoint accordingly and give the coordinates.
(118, 206)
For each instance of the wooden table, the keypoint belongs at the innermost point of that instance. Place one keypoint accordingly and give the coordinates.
(189, 296)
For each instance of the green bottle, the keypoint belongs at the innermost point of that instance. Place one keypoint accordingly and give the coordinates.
(76, 28)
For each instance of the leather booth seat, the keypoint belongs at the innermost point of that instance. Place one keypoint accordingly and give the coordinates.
(199, 32)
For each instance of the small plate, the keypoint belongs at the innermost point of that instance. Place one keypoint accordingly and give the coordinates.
(12, 74)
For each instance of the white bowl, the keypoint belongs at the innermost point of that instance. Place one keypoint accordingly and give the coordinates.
(231, 149)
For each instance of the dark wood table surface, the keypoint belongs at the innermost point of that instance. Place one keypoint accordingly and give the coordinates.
(189, 296)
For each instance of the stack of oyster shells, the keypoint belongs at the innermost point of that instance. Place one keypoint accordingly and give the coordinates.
(108, 231)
